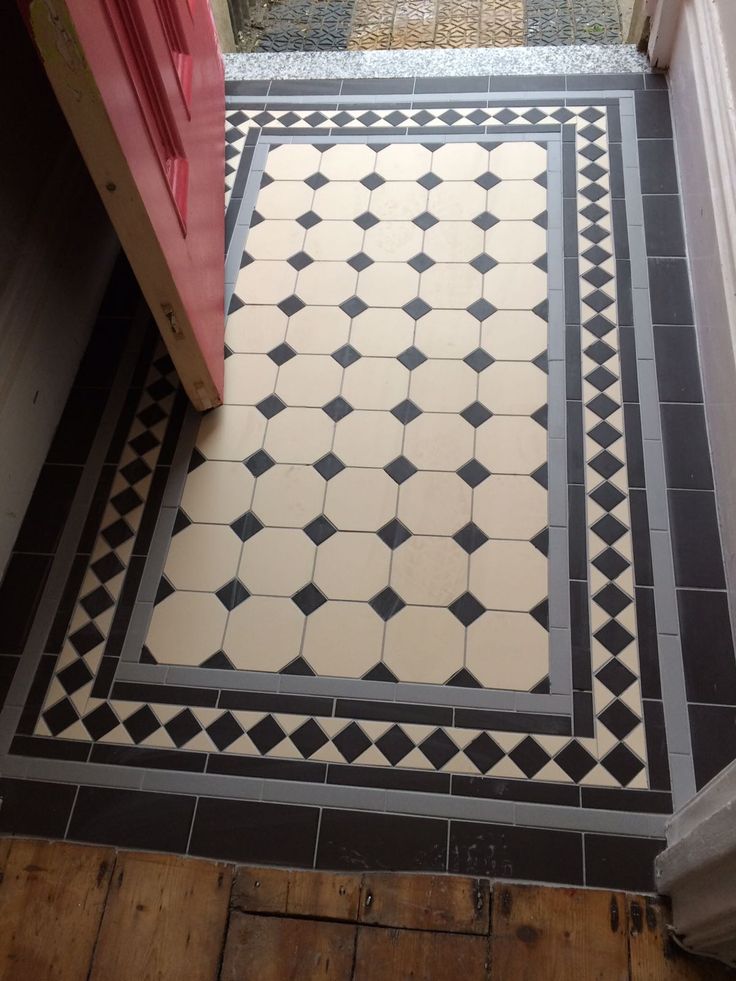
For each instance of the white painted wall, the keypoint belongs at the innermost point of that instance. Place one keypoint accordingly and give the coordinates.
(56, 252)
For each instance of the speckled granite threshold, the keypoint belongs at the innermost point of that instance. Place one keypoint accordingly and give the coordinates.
(568, 60)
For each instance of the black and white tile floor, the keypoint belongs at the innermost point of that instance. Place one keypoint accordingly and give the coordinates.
(423, 593)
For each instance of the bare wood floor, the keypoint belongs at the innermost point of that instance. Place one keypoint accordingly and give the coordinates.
(78, 913)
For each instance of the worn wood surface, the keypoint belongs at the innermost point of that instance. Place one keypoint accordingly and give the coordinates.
(384, 954)
(541, 933)
(165, 918)
(260, 890)
(52, 896)
(330, 895)
(269, 948)
(454, 904)
(655, 956)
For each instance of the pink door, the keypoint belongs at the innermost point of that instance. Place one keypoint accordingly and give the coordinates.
(141, 84)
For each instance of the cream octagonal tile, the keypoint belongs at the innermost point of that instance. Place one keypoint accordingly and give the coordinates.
(429, 571)
(375, 383)
(186, 628)
(507, 650)
(439, 441)
(434, 503)
(382, 332)
(217, 491)
(288, 496)
(298, 435)
(368, 439)
(203, 557)
(516, 241)
(277, 561)
(348, 162)
(274, 239)
(515, 286)
(424, 644)
(512, 388)
(510, 506)
(447, 334)
(511, 444)
(403, 161)
(352, 566)
(448, 285)
(326, 283)
(232, 432)
(398, 201)
(361, 500)
(451, 241)
(460, 161)
(292, 161)
(249, 378)
(333, 240)
(343, 639)
(341, 199)
(508, 575)
(265, 282)
(255, 329)
(518, 161)
(514, 335)
(456, 200)
(318, 330)
(443, 386)
(517, 200)
(393, 241)
(264, 634)
(387, 284)
(284, 199)
(309, 379)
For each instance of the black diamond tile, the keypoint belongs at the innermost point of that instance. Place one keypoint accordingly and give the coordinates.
(619, 719)
(591, 133)
(99, 722)
(416, 308)
(309, 599)
(180, 522)
(610, 563)
(291, 305)
(144, 443)
(232, 594)
(316, 181)
(541, 614)
(438, 748)
(429, 181)
(473, 473)
(541, 541)
(467, 609)
(533, 116)
(607, 496)
(540, 416)
(485, 220)
(352, 742)
(600, 352)
(425, 220)
(406, 411)
(463, 679)
(270, 406)
(394, 533)
(281, 354)
(606, 464)
(616, 677)
(609, 529)
(183, 727)
(366, 220)
(165, 589)
(506, 116)
(141, 724)
(259, 463)
(387, 603)
(481, 309)
(329, 466)
(604, 434)
(542, 219)
(219, 661)
(529, 756)
(540, 475)
(85, 638)
(594, 233)
(300, 260)
(320, 530)
(337, 409)
(394, 744)
(595, 253)
(97, 602)
(74, 676)
(483, 752)
(346, 355)
(298, 667)
(603, 406)
(246, 526)
(380, 673)
(476, 414)
(360, 261)
(487, 180)
(372, 181)
(597, 277)
(542, 311)
(107, 566)
(622, 764)
(614, 637)
(411, 358)
(612, 599)
(117, 533)
(594, 192)
(354, 306)
(266, 734)
(135, 471)
(575, 760)
(126, 501)
(308, 738)
(470, 538)
(309, 220)
(421, 262)
(400, 469)
(479, 360)
(224, 731)
(483, 263)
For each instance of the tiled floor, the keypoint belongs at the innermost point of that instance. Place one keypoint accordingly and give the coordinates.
(366, 25)
(424, 592)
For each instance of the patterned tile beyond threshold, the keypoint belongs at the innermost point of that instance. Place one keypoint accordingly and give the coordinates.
(410, 597)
